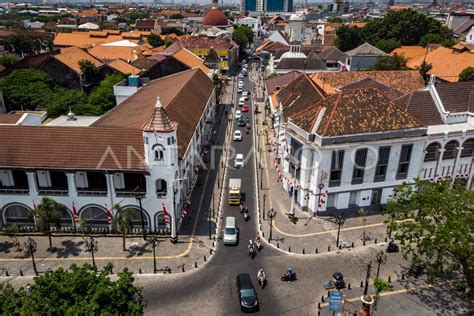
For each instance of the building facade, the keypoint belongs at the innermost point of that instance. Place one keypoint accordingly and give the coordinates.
(264, 6)
(144, 155)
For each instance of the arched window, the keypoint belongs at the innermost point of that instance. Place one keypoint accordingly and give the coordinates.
(133, 214)
(468, 148)
(160, 222)
(94, 217)
(161, 188)
(18, 214)
(450, 150)
(65, 217)
(158, 152)
(432, 152)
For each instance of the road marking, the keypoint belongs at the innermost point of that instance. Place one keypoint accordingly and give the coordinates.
(401, 291)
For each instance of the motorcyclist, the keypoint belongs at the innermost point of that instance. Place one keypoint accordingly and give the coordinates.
(261, 276)
(258, 240)
(251, 246)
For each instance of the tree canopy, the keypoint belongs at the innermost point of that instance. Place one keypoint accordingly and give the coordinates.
(397, 28)
(155, 40)
(440, 226)
(467, 74)
(396, 62)
(77, 291)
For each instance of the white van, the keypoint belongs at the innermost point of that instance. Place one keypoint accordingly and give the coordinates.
(231, 232)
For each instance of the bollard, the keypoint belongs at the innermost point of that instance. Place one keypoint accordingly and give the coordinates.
(154, 271)
(195, 264)
(361, 283)
(289, 249)
(303, 251)
(182, 268)
(352, 245)
(214, 238)
(210, 251)
(263, 234)
(349, 286)
(389, 279)
(139, 270)
(375, 240)
(340, 247)
(363, 242)
(213, 244)
(21, 272)
(278, 245)
(403, 276)
(329, 248)
(111, 271)
(6, 272)
(386, 238)
(205, 259)
(316, 251)
(319, 305)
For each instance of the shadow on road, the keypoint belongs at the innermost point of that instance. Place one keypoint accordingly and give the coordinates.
(69, 248)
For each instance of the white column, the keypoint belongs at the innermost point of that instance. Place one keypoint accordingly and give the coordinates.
(71, 184)
(32, 183)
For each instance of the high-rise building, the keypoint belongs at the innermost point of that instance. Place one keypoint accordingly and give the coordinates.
(267, 5)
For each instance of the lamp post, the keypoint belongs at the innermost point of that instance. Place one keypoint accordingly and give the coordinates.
(31, 245)
(271, 214)
(367, 276)
(381, 258)
(339, 221)
(139, 196)
(91, 245)
(154, 242)
(174, 226)
(320, 188)
(264, 198)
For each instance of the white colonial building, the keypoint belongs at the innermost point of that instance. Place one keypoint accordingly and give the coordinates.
(144, 153)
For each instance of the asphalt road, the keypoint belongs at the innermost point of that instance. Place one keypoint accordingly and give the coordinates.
(211, 290)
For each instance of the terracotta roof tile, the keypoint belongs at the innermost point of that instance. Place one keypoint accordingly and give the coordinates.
(389, 92)
(421, 106)
(410, 52)
(191, 60)
(183, 95)
(355, 111)
(159, 121)
(109, 53)
(446, 63)
(82, 38)
(124, 67)
(405, 81)
(9, 118)
(206, 42)
(313, 63)
(71, 148)
(281, 81)
(71, 56)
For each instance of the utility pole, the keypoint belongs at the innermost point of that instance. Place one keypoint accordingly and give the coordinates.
(31, 245)
(367, 276)
(339, 221)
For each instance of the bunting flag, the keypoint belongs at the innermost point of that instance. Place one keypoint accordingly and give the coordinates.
(107, 213)
(167, 216)
(75, 213)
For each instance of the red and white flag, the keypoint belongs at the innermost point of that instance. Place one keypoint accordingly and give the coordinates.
(75, 213)
(167, 216)
(107, 213)
(35, 211)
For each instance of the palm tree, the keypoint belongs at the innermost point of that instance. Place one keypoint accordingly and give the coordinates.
(46, 213)
(123, 221)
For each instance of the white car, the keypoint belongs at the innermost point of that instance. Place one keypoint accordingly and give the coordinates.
(237, 135)
(239, 161)
(245, 95)
(241, 75)
(240, 89)
(241, 84)
(241, 101)
(238, 114)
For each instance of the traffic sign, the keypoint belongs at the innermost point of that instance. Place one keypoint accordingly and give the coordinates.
(335, 301)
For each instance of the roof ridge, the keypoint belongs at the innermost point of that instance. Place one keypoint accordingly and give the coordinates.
(332, 113)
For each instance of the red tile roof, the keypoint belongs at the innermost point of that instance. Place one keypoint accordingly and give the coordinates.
(9, 118)
(71, 148)
(279, 82)
(183, 95)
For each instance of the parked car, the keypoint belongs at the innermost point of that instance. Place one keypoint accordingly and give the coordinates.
(241, 122)
(239, 161)
(238, 114)
(241, 75)
(237, 135)
(240, 89)
(247, 295)
(241, 84)
(241, 101)
(245, 108)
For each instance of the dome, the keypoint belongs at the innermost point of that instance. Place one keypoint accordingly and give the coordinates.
(215, 17)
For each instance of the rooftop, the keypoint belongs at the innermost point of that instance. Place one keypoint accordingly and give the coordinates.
(71, 56)
(191, 60)
(366, 50)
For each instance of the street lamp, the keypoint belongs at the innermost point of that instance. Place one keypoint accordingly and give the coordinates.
(381, 258)
(320, 188)
(154, 242)
(31, 245)
(174, 226)
(339, 221)
(271, 214)
(91, 245)
(367, 276)
(139, 196)
(264, 198)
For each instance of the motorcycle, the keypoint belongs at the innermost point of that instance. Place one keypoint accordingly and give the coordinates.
(251, 252)
(289, 276)
(246, 215)
(392, 247)
(258, 244)
(262, 282)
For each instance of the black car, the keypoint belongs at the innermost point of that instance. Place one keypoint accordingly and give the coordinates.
(339, 280)
(247, 295)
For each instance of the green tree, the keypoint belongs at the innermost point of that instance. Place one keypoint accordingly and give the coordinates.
(123, 221)
(103, 97)
(61, 100)
(335, 20)
(26, 89)
(79, 290)
(155, 40)
(348, 38)
(467, 74)
(176, 16)
(388, 45)
(247, 31)
(88, 69)
(8, 60)
(395, 62)
(47, 213)
(436, 39)
(380, 286)
(20, 44)
(441, 232)
(171, 30)
(240, 38)
(424, 68)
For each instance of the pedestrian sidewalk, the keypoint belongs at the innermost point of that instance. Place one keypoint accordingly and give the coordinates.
(196, 236)
(309, 233)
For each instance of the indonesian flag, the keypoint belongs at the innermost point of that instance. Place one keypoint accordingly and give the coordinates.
(107, 213)
(75, 213)
(167, 216)
(36, 214)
